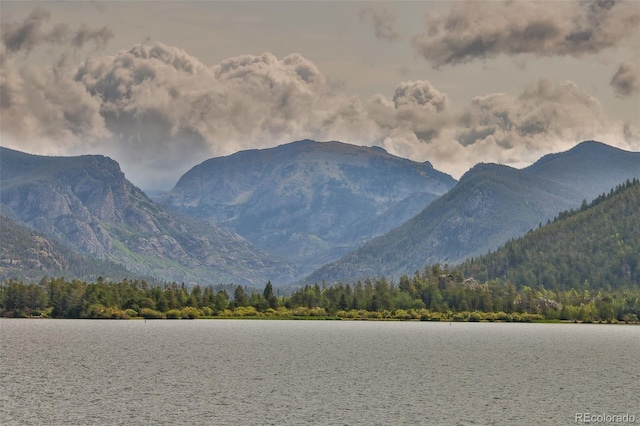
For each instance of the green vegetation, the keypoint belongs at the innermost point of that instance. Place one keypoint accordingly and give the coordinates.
(594, 247)
(490, 204)
(436, 294)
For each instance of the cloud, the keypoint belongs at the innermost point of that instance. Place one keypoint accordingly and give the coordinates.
(383, 22)
(43, 108)
(479, 30)
(26, 35)
(547, 116)
(100, 37)
(420, 93)
(626, 80)
(411, 119)
(159, 110)
(165, 107)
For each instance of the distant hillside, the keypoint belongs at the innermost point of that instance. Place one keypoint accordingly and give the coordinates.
(29, 255)
(87, 203)
(589, 168)
(489, 205)
(595, 247)
(308, 201)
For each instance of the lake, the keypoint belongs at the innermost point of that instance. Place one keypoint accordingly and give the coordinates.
(223, 372)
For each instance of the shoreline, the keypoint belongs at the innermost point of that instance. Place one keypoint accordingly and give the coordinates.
(333, 318)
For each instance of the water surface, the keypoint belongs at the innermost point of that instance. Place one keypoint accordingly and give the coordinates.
(220, 372)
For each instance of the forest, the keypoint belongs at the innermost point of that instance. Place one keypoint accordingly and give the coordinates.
(595, 246)
(438, 293)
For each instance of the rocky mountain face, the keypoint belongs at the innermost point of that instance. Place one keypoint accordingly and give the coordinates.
(489, 205)
(309, 202)
(28, 255)
(87, 203)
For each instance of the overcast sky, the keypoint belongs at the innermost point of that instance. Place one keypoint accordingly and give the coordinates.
(162, 86)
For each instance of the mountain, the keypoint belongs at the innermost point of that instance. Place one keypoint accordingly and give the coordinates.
(489, 205)
(308, 201)
(590, 168)
(595, 247)
(28, 255)
(87, 203)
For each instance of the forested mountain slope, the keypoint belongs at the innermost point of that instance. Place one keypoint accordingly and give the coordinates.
(489, 205)
(597, 246)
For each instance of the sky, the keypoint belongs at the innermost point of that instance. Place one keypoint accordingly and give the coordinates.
(160, 86)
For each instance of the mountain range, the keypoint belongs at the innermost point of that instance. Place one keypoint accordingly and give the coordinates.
(87, 204)
(490, 204)
(277, 214)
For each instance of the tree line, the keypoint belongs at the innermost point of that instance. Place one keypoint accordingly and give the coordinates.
(438, 293)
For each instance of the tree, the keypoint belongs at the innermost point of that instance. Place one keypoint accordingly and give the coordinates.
(272, 300)
(221, 301)
(240, 297)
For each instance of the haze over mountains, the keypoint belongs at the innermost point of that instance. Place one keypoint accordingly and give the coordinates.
(303, 204)
(87, 203)
(489, 205)
(309, 202)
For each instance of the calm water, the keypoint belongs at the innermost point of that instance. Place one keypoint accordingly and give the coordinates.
(223, 372)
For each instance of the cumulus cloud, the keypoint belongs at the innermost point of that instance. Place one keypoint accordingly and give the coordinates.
(43, 108)
(420, 93)
(164, 107)
(478, 30)
(383, 22)
(159, 110)
(25, 35)
(414, 116)
(546, 116)
(626, 80)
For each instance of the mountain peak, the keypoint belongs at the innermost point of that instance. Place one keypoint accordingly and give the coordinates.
(490, 204)
(606, 165)
(487, 168)
(308, 201)
(87, 203)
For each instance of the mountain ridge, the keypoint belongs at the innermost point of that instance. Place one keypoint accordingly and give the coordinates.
(608, 166)
(87, 203)
(490, 204)
(594, 247)
(306, 201)
(29, 255)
